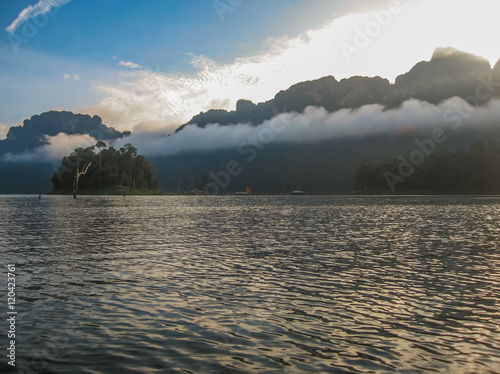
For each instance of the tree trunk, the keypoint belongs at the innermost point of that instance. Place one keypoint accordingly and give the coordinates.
(75, 184)
(79, 173)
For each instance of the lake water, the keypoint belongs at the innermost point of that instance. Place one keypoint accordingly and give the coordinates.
(253, 284)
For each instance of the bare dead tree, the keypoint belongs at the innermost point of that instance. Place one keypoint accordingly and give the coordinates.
(79, 173)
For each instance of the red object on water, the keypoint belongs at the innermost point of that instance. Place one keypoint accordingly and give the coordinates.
(408, 130)
(248, 190)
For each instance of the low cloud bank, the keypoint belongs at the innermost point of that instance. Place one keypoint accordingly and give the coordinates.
(358, 41)
(316, 124)
(58, 146)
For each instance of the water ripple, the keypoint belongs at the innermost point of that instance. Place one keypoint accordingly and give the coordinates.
(255, 284)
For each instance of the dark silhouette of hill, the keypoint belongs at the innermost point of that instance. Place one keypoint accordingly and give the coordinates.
(328, 165)
(327, 92)
(33, 177)
(33, 132)
(449, 73)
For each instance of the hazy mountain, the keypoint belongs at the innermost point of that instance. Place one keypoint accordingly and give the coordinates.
(34, 131)
(33, 176)
(321, 164)
(329, 164)
(326, 92)
(449, 73)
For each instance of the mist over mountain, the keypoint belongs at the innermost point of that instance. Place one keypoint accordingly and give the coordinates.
(325, 92)
(310, 136)
(449, 73)
(36, 131)
(31, 152)
(313, 135)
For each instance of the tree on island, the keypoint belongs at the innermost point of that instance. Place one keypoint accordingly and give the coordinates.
(96, 168)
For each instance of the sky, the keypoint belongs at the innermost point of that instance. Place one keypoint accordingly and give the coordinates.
(151, 65)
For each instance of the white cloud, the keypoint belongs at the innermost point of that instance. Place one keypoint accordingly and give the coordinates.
(129, 64)
(316, 124)
(63, 144)
(58, 146)
(40, 8)
(74, 77)
(408, 36)
(366, 6)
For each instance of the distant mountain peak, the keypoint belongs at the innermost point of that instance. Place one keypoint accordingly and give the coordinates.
(453, 53)
(243, 105)
(34, 131)
(450, 72)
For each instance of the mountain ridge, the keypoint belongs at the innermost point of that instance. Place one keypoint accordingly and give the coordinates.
(323, 166)
(449, 73)
(34, 131)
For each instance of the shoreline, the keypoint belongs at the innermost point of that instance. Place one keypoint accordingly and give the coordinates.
(165, 193)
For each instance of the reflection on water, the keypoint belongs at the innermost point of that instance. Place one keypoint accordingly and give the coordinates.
(255, 284)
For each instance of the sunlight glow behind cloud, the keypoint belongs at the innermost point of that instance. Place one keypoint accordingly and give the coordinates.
(147, 100)
(40, 8)
(4, 129)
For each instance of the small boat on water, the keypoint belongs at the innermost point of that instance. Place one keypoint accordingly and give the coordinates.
(247, 191)
(297, 192)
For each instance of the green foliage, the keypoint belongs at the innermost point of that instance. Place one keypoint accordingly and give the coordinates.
(475, 171)
(109, 168)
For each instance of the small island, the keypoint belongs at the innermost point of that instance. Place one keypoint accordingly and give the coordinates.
(102, 170)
